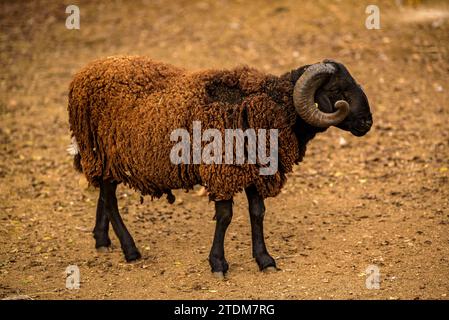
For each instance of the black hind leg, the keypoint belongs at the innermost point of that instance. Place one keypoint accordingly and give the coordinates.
(101, 230)
(107, 194)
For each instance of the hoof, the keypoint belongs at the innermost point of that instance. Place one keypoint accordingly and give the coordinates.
(104, 249)
(132, 256)
(266, 262)
(219, 275)
(218, 265)
(270, 269)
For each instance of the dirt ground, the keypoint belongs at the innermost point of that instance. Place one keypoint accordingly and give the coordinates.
(378, 200)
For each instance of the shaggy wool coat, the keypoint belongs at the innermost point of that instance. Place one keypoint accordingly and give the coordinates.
(122, 111)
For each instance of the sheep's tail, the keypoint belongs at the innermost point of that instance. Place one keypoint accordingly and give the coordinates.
(74, 150)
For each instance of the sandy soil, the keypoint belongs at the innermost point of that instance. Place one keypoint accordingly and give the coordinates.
(378, 200)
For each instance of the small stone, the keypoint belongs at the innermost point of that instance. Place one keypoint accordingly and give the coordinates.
(438, 88)
(342, 142)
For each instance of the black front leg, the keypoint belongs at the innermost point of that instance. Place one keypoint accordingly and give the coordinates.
(223, 215)
(257, 212)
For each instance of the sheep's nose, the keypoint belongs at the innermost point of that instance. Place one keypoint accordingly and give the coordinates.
(368, 122)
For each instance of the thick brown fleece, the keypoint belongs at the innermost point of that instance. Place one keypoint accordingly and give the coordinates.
(123, 109)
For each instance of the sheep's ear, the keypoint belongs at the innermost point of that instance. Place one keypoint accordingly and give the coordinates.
(323, 102)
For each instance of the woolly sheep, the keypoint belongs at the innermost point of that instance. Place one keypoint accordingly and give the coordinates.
(122, 111)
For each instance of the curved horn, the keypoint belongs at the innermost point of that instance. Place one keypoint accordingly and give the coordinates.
(304, 97)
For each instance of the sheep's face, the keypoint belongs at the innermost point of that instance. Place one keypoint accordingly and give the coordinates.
(342, 86)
